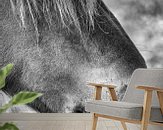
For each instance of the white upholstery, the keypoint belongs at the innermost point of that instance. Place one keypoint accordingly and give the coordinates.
(147, 77)
(125, 110)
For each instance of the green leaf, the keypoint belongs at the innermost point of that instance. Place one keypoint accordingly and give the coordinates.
(5, 107)
(8, 69)
(24, 97)
(8, 126)
(20, 99)
(4, 72)
(2, 83)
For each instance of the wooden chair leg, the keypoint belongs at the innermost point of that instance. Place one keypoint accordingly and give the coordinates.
(146, 110)
(144, 126)
(124, 125)
(160, 98)
(94, 123)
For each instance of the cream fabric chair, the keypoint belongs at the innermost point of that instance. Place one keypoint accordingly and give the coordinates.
(142, 103)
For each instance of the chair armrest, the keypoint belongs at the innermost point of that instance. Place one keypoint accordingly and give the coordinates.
(101, 85)
(148, 100)
(111, 89)
(150, 88)
(148, 91)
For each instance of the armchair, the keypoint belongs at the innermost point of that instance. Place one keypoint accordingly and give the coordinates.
(138, 107)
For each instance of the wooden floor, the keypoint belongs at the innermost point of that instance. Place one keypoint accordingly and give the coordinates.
(58, 122)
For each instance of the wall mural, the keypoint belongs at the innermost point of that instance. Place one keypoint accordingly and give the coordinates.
(58, 46)
(143, 21)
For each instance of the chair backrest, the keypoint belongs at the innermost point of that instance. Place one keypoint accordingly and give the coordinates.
(147, 77)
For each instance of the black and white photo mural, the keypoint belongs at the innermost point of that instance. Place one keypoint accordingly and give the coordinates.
(58, 46)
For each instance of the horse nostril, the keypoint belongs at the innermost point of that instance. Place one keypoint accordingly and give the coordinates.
(79, 108)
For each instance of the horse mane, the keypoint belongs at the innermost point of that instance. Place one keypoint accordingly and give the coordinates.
(67, 12)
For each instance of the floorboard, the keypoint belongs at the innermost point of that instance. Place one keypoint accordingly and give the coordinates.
(58, 121)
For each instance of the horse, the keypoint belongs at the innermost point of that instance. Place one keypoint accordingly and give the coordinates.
(57, 46)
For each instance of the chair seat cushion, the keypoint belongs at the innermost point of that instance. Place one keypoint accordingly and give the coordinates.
(125, 110)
